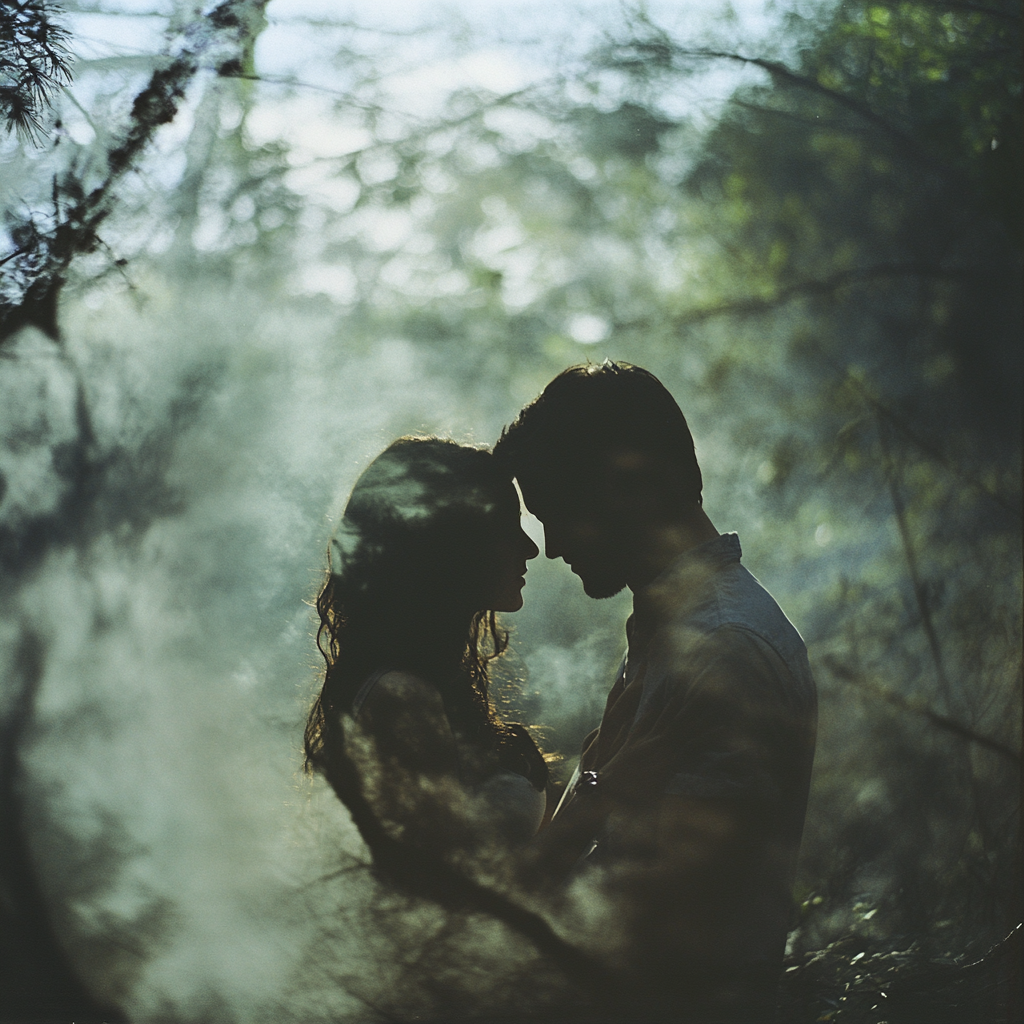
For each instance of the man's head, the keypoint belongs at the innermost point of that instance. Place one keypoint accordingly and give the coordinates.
(605, 460)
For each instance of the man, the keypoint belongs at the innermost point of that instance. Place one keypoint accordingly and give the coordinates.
(689, 800)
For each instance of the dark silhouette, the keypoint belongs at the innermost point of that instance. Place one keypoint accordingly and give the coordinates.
(39, 983)
(689, 800)
(429, 548)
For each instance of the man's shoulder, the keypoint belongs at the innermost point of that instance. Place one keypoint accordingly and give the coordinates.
(753, 650)
(732, 601)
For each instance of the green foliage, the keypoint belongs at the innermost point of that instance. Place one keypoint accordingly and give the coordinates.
(871, 195)
(881, 181)
(827, 276)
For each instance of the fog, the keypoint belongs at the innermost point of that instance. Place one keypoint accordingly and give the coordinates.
(182, 852)
(410, 227)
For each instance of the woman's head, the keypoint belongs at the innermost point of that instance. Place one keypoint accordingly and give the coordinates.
(429, 547)
(432, 530)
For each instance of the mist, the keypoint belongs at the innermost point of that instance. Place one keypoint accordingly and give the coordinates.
(359, 230)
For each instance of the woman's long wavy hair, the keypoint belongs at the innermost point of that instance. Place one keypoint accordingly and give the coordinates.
(407, 567)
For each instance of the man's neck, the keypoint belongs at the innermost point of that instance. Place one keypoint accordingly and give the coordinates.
(668, 541)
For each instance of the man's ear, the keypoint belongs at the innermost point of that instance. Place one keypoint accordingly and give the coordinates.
(635, 480)
(627, 461)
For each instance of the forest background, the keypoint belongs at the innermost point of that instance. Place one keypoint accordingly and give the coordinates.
(246, 246)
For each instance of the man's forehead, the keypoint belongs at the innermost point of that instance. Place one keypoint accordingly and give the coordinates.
(549, 495)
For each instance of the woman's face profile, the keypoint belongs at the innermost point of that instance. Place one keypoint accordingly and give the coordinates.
(511, 549)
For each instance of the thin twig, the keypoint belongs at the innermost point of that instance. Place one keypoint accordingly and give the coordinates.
(943, 722)
(930, 450)
(779, 71)
(920, 595)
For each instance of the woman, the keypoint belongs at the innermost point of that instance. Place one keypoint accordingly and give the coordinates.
(429, 548)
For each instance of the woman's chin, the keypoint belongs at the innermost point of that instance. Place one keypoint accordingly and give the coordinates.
(510, 603)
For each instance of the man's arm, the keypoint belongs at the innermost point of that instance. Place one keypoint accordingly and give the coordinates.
(551, 855)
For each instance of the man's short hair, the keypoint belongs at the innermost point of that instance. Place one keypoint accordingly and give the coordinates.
(591, 412)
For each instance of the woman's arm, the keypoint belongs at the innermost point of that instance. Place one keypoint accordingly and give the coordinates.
(414, 780)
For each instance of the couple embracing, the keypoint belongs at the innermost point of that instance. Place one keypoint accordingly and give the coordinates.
(688, 803)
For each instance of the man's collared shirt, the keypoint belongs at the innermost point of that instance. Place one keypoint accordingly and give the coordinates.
(716, 682)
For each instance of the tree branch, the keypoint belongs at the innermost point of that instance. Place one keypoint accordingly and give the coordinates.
(426, 875)
(781, 73)
(753, 304)
(944, 722)
(34, 63)
(43, 265)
